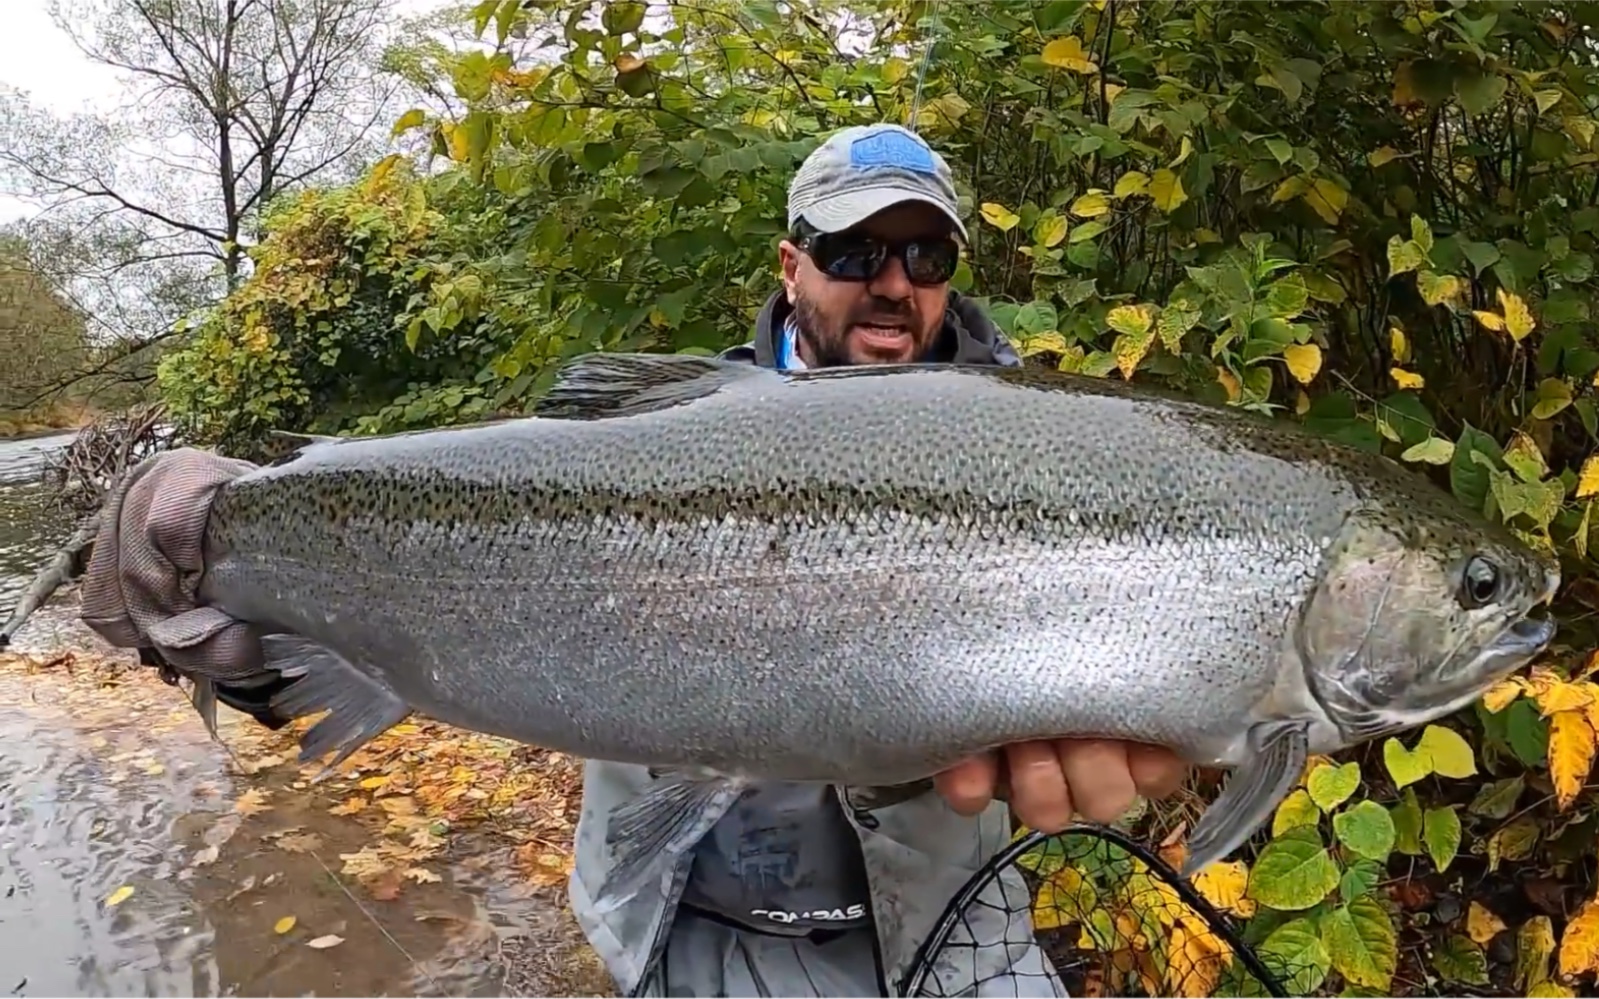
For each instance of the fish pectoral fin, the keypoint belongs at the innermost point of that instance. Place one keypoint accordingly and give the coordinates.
(360, 707)
(596, 386)
(665, 822)
(1252, 793)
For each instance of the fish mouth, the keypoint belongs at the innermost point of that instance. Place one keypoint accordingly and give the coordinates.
(1524, 639)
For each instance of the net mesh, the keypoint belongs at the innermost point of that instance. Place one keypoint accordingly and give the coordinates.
(1092, 912)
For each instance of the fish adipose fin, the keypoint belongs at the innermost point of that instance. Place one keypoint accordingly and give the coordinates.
(597, 386)
(359, 707)
(1253, 792)
(650, 834)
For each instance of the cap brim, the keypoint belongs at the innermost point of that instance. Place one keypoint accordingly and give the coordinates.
(839, 213)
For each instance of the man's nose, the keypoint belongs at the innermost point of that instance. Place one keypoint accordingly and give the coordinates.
(892, 282)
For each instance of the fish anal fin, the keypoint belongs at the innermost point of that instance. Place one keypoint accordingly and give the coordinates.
(650, 834)
(1252, 793)
(601, 385)
(360, 707)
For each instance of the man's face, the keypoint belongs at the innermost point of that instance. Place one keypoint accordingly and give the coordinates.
(886, 319)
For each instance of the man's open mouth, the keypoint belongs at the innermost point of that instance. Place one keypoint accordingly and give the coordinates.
(875, 333)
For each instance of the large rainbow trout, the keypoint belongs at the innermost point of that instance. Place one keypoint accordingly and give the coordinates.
(865, 575)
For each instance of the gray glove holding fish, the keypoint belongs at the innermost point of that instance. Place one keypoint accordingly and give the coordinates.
(139, 587)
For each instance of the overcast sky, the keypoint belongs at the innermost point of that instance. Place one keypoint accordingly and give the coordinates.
(37, 57)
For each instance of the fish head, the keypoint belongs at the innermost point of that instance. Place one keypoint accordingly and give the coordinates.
(1417, 613)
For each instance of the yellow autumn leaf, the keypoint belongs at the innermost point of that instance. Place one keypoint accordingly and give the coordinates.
(119, 896)
(1501, 694)
(1223, 883)
(1489, 320)
(1062, 900)
(1588, 478)
(1406, 379)
(1290, 189)
(1068, 53)
(1481, 924)
(1304, 361)
(1195, 959)
(1166, 190)
(1301, 403)
(998, 216)
(1518, 318)
(1550, 990)
(1555, 694)
(1130, 183)
(1535, 944)
(1091, 205)
(1579, 947)
(284, 925)
(1327, 199)
(1051, 230)
(1229, 381)
(1571, 751)
(1382, 155)
(1398, 345)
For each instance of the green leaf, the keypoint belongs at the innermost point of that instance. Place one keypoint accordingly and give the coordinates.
(1480, 91)
(1294, 952)
(1527, 732)
(1441, 833)
(1481, 255)
(1498, 799)
(1403, 256)
(1421, 233)
(1404, 766)
(1293, 872)
(1331, 786)
(1287, 297)
(1406, 813)
(1361, 941)
(1366, 829)
(1035, 318)
(1296, 811)
(1450, 753)
(1553, 396)
(1086, 231)
(1468, 479)
(1457, 958)
(1280, 150)
(1359, 878)
(413, 118)
(1432, 451)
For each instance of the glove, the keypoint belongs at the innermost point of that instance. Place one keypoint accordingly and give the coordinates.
(139, 588)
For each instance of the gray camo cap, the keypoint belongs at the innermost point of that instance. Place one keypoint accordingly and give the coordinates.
(860, 171)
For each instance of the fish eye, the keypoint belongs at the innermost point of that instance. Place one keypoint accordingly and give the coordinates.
(1479, 584)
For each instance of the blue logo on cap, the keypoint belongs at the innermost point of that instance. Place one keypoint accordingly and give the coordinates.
(891, 148)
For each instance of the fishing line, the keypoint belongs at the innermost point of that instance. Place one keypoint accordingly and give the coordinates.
(927, 60)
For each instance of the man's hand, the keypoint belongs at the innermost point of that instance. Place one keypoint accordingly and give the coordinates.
(1050, 781)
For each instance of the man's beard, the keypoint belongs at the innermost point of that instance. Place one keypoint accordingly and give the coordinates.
(830, 343)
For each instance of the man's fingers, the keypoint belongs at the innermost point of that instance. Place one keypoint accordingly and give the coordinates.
(968, 787)
(1038, 791)
(1096, 770)
(1157, 772)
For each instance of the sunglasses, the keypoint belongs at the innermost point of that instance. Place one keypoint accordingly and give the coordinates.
(850, 256)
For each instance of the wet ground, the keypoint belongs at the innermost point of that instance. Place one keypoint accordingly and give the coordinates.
(140, 857)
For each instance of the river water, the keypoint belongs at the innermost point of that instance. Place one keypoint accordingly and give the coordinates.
(109, 783)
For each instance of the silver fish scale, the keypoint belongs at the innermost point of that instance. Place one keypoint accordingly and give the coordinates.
(829, 579)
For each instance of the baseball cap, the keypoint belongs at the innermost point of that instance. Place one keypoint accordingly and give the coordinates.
(860, 171)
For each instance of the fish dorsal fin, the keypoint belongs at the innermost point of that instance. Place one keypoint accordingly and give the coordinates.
(599, 386)
(283, 446)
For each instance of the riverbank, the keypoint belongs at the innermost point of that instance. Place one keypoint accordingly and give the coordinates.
(45, 421)
(431, 862)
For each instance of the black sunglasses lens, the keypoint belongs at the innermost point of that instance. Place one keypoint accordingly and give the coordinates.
(931, 262)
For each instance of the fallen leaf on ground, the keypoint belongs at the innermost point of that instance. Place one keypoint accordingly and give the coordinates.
(284, 925)
(299, 842)
(205, 856)
(252, 802)
(421, 875)
(349, 806)
(119, 896)
(1481, 924)
(323, 943)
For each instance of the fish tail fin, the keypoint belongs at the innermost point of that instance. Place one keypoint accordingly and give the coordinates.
(360, 707)
(650, 834)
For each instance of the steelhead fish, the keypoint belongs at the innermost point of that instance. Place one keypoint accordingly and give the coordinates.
(865, 575)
